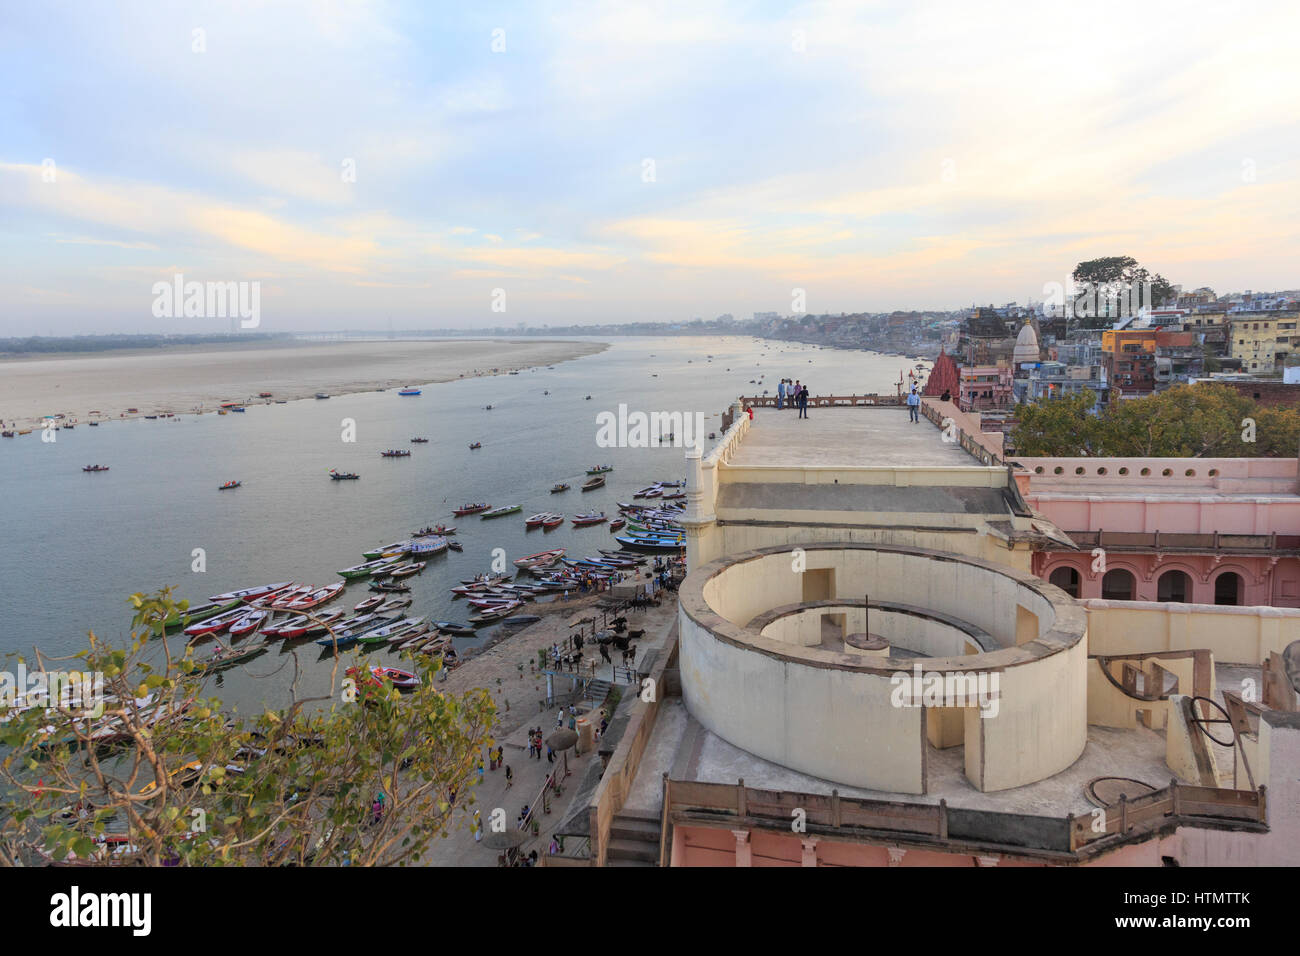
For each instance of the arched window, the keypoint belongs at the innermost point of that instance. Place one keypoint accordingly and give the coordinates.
(1117, 585)
(1174, 586)
(1227, 588)
(1067, 579)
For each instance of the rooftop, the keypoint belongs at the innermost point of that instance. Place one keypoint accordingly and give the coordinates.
(845, 438)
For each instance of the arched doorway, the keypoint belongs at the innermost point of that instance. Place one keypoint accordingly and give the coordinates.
(1117, 585)
(1067, 579)
(1227, 588)
(1174, 586)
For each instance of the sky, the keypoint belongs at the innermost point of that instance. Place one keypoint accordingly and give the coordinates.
(436, 165)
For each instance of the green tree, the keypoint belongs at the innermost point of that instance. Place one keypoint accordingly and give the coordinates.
(181, 779)
(1114, 272)
(1056, 428)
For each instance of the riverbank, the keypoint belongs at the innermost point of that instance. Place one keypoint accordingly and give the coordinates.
(196, 379)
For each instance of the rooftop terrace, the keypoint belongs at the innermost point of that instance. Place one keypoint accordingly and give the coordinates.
(845, 438)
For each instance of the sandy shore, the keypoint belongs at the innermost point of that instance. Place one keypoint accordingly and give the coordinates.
(190, 379)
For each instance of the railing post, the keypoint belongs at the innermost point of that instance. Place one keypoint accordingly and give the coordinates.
(943, 819)
(1173, 794)
(1123, 813)
(742, 805)
(835, 808)
(1069, 831)
(1263, 803)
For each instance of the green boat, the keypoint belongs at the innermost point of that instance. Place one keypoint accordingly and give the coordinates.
(393, 550)
(367, 569)
(498, 512)
(200, 612)
(600, 469)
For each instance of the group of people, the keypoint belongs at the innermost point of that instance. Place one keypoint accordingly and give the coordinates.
(535, 744)
(796, 392)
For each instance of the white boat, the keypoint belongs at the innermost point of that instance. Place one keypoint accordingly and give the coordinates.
(249, 594)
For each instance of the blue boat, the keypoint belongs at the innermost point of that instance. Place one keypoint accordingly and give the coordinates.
(408, 391)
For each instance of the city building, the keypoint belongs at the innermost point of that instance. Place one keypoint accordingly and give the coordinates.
(986, 387)
(1262, 342)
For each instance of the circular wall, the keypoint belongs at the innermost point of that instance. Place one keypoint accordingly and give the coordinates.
(1019, 705)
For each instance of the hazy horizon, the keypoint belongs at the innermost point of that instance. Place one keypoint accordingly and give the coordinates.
(369, 163)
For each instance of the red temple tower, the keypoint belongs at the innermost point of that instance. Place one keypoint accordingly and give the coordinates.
(943, 376)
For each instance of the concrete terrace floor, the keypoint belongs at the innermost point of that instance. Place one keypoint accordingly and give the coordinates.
(845, 437)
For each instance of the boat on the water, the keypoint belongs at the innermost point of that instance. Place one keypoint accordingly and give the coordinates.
(249, 623)
(200, 612)
(536, 521)
(216, 623)
(228, 657)
(408, 391)
(343, 475)
(230, 484)
(581, 521)
(562, 486)
(434, 529)
(502, 511)
(367, 569)
(316, 598)
(303, 625)
(475, 445)
(406, 570)
(554, 521)
(455, 546)
(321, 395)
(456, 630)
(427, 547)
(591, 484)
(599, 469)
(419, 441)
(251, 595)
(389, 588)
(471, 509)
(375, 676)
(95, 468)
(395, 453)
(617, 523)
(388, 550)
(542, 559)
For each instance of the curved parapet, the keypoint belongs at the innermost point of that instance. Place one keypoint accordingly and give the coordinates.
(1013, 690)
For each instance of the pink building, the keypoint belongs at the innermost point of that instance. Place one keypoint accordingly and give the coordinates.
(986, 386)
(1188, 530)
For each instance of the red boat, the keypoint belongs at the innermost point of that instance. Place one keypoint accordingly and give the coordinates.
(554, 521)
(581, 521)
(471, 509)
(249, 623)
(617, 523)
(402, 680)
(289, 595)
(537, 520)
(302, 626)
(215, 625)
(316, 598)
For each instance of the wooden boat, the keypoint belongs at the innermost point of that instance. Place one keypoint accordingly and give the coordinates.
(303, 625)
(388, 550)
(369, 603)
(502, 511)
(230, 484)
(419, 441)
(249, 623)
(395, 453)
(390, 588)
(217, 623)
(455, 546)
(412, 640)
(250, 595)
(554, 521)
(286, 597)
(600, 469)
(381, 634)
(451, 627)
(471, 509)
(393, 604)
(376, 676)
(591, 484)
(542, 559)
(648, 544)
(562, 486)
(617, 523)
(321, 395)
(520, 620)
(316, 598)
(343, 475)
(229, 657)
(434, 529)
(410, 390)
(95, 468)
(535, 521)
(200, 612)
(475, 445)
(487, 616)
(581, 521)
(367, 569)
(406, 570)
(263, 394)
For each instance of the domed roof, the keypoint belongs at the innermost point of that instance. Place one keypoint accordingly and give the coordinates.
(1026, 345)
